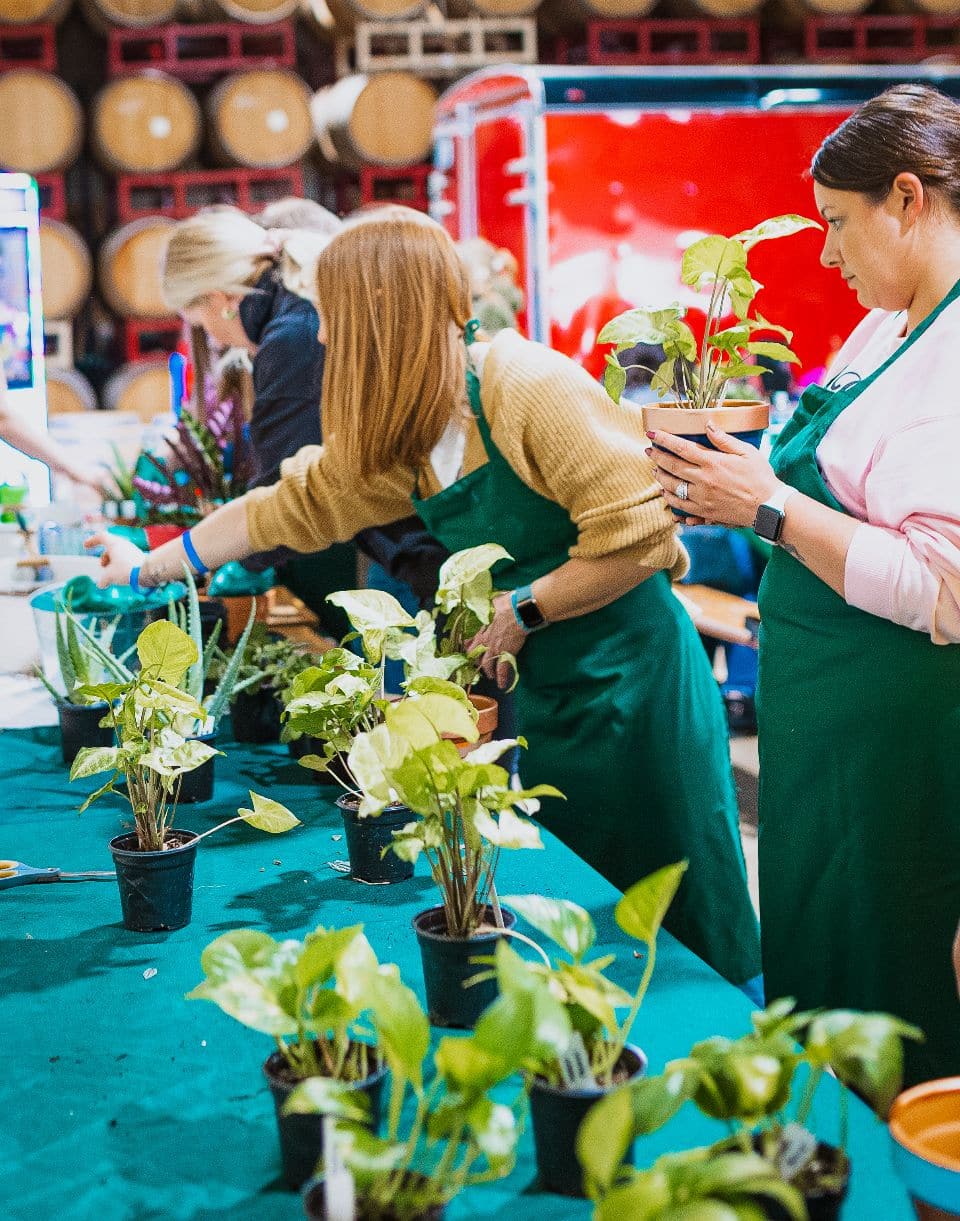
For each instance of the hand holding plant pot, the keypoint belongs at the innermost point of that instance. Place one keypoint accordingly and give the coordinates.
(149, 714)
(458, 1134)
(467, 814)
(317, 999)
(579, 1046)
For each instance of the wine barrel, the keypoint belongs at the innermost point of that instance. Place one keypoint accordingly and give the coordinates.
(147, 123)
(41, 123)
(105, 15)
(386, 119)
(68, 391)
(250, 12)
(66, 269)
(129, 267)
(142, 387)
(260, 119)
(492, 8)
(336, 18)
(30, 12)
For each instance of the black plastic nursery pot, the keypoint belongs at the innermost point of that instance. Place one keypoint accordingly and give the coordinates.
(823, 1203)
(255, 717)
(301, 1136)
(198, 785)
(313, 1205)
(80, 727)
(447, 966)
(156, 888)
(557, 1114)
(368, 837)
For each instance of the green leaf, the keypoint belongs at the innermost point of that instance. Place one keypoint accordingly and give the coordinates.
(640, 326)
(776, 351)
(324, 1096)
(641, 910)
(403, 1031)
(663, 380)
(165, 652)
(466, 579)
(644, 1198)
(614, 378)
(321, 950)
(864, 1050)
(241, 950)
(776, 226)
(215, 704)
(177, 758)
(250, 977)
(425, 719)
(564, 922)
(267, 815)
(711, 259)
(507, 830)
(374, 614)
(94, 759)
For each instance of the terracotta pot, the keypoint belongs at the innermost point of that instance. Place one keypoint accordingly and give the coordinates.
(925, 1129)
(488, 714)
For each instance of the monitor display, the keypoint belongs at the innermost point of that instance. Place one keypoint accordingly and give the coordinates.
(15, 345)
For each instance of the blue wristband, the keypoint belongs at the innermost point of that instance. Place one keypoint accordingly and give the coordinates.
(199, 566)
(516, 614)
(135, 580)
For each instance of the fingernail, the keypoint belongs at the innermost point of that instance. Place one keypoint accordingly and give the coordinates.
(711, 427)
(652, 436)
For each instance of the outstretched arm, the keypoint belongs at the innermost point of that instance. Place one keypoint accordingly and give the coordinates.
(35, 443)
(218, 538)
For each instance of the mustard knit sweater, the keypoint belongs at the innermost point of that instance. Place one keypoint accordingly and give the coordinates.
(554, 425)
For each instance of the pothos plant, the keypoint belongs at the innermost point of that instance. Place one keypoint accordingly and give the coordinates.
(457, 1134)
(332, 1009)
(434, 644)
(573, 994)
(467, 810)
(762, 1087)
(698, 376)
(151, 717)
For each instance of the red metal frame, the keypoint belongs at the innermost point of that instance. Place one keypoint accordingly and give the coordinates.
(201, 52)
(181, 193)
(880, 39)
(382, 184)
(28, 46)
(661, 41)
(53, 196)
(148, 336)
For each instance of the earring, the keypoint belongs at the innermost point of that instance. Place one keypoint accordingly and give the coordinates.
(228, 313)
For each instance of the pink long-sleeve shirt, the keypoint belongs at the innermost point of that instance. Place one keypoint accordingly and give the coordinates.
(892, 459)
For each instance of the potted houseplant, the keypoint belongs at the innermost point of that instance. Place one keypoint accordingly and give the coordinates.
(698, 376)
(458, 1133)
(272, 662)
(84, 659)
(762, 1086)
(925, 1130)
(329, 705)
(212, 694)
(317, 999)
(151, 755)
(581, 1049)
(467, 813)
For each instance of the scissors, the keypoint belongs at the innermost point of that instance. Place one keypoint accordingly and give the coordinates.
(16, 873)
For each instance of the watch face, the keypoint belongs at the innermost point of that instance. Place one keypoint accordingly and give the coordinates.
(768, 523)
(530, 613)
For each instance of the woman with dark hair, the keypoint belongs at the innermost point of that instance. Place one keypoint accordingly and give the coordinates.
(859, 695)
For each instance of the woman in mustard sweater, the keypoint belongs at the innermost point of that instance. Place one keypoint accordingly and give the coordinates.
(515, 444)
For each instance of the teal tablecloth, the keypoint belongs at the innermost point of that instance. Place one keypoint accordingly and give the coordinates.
(120, 1100)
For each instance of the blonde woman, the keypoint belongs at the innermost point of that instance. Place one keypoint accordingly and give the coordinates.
(515, 444)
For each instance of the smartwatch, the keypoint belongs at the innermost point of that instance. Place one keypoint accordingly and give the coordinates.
(528, 615)
(768, 524)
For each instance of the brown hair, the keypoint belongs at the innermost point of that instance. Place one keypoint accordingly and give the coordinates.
(912, 129)
(394, 296)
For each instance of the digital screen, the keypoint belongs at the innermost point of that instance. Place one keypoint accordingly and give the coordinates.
(15, 346)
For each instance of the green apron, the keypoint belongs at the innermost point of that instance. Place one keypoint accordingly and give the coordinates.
(622, 714)
(859, 785)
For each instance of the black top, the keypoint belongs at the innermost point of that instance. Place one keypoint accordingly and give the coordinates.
(287, 384)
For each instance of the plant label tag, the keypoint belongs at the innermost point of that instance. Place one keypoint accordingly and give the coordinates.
(797, 1147)
(575, 1065)
(339, 1197)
